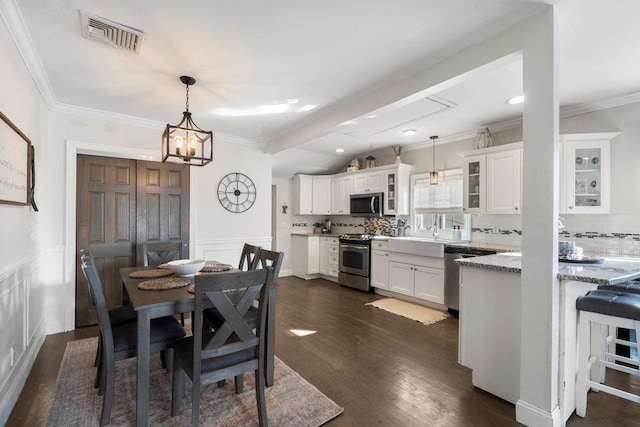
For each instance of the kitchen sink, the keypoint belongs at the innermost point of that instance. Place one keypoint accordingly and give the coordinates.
(417, 246)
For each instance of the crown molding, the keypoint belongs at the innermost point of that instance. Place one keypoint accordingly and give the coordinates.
(14, 21)
(92, 113)
(602, 104)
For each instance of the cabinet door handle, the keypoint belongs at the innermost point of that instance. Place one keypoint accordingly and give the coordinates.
(516, 208)
(570, 207)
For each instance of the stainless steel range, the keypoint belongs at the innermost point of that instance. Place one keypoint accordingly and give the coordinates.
(355, 260)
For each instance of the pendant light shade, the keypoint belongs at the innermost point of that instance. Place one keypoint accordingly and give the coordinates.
(186, 141)
(433, 175)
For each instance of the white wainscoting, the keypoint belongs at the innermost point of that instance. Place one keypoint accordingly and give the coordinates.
(227, 250)
(22, 330)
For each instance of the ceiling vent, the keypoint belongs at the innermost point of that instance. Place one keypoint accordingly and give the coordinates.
(104, 30)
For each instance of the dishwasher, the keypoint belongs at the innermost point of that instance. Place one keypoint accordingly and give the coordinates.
(452, 273)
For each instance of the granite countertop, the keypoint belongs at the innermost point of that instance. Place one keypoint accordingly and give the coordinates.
(487, 246)
(611, 272)
(316, 234)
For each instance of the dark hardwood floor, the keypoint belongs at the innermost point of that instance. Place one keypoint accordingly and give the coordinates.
(384, 369)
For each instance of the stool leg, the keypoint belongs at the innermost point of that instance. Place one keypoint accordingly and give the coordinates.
(600, 340)
(584, 346)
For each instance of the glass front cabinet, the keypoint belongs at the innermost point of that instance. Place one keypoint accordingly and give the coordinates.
(585, 173)
(474, 175)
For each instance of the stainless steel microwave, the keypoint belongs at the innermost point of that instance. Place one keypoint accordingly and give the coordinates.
(367, 205)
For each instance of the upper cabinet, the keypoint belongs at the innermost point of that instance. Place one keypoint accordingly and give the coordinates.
(493, 180)
(312, 195)
(341, 190)
(368, 182)
(585, 173)
(396, 190)
(331, 194)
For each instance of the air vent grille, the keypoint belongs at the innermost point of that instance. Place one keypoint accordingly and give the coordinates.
(104, 30)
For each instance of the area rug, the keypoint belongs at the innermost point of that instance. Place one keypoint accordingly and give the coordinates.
(291, 401)
(409, 310)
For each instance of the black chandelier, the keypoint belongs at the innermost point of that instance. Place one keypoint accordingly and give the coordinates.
(186, 140)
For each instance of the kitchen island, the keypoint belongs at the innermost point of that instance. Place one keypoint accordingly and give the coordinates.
(490, 310)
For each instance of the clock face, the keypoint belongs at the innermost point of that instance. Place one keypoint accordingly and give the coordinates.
(236, 192)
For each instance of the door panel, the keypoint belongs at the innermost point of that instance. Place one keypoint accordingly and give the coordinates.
(122, 204)
(163, 205)
(106, 224)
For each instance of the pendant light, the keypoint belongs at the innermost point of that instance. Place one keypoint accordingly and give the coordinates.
(433, 175)
(186, 141)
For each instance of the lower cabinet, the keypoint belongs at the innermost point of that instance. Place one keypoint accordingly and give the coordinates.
(380, 269)
(329, 247)
(420, 277)
(306, 256)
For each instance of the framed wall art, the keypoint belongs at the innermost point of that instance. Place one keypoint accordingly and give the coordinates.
(15, 164)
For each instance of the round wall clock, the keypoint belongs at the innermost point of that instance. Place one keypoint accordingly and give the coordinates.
(236, 192)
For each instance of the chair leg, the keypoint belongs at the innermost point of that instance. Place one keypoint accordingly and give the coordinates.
(260, 398)
(108, 395)
(195, 400)
(177, 389)
(101, 376)
(96, 363)
(222, 383)
(239, 379)
(584, 347)
(168, 359)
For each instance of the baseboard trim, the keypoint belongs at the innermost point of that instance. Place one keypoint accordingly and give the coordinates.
(19, 376)
(530, 415)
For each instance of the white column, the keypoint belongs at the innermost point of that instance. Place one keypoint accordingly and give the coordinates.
(538, 403)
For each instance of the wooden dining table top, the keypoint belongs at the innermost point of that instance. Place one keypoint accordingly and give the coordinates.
(143, 299)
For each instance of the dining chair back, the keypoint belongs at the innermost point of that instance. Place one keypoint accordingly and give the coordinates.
(273, 259)
(155, 254)
(119, 342)
(233, 348)
(250, 254)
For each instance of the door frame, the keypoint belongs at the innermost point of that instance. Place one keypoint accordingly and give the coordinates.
(73, 148)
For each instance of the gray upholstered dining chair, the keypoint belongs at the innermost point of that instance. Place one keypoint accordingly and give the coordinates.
(154, 254)
(119, 342)
(232, 349)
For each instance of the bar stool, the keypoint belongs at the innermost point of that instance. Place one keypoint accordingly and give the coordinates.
(624, 336)
(611, 310)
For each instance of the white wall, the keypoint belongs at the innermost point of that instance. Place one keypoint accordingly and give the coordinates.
(22, 244)
(284, 223)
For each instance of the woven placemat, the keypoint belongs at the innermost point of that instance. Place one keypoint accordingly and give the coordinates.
(214, 267)
(164, 283)
(145, 274)
(191, 289)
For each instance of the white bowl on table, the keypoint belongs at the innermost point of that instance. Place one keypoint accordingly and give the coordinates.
(186, 267)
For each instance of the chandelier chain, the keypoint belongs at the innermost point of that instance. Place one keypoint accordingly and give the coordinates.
(187, 103)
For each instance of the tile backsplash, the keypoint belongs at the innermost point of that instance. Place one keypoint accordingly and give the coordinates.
(606, 234)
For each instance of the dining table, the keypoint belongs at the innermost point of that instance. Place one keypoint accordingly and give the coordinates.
(151, 304)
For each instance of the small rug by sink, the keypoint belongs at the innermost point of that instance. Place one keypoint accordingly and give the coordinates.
(291, 401)
(409, 310)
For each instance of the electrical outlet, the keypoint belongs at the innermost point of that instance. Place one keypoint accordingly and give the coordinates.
(13, 355)
(495, 229)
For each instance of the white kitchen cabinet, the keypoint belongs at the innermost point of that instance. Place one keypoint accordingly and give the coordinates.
(493, 180)
(306, 256)
(341, 190)
(585, 185)
(397, 190)
(311, 195)
(321, 195)
(420, 277)
(368, 182)
(329, 256)
(379, 265)
(429, 284)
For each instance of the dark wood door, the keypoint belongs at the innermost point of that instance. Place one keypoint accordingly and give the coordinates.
(163, 205)
(106, 226)
(122, 204)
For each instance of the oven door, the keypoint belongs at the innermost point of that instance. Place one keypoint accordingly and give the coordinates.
(354, 259)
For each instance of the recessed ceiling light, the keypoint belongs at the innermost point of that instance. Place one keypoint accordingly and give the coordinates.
(348, 123)
(516, 100)
(409, 132)
(339, 150)
(371, 116)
